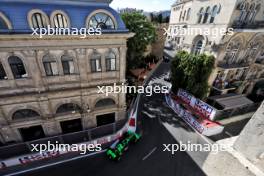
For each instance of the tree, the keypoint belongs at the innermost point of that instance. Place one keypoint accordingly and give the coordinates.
(152, 17)
(160, 18)
(191, 72)
(145, 34)
(167, 19)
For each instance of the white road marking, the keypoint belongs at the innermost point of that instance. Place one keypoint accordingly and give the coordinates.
(152, 151)
(229, 134)
(54, 164)
(148, 114)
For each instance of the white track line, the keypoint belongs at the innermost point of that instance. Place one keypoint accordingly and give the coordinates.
(152, 151)
(53, 164)
(229, 134)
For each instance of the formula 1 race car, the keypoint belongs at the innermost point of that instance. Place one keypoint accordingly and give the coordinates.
(117, 149)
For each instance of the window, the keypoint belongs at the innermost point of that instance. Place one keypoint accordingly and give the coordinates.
(96, 63)
(60, 21)
(188, 14)
(250, 13)
(69, 108)
(17, 67)
(105, 119)
(71, 126)
(32, 133)
(254, 10)
(232, 51)
(101, 20)
(38, 20)
(180, 17)
(206, 15)
(252, 51)
(200, 15)
(2, 72)
(67, 65)
(24, 114)
(3, 24)
(243, 8)
(214, 12)
(198, 47)
(104, 103)
(50, 65)
(110, 60)
(184, 14)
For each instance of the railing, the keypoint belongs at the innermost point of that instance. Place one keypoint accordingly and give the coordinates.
(233, 65)
(223, 114)
(241, 25)
(71, 138)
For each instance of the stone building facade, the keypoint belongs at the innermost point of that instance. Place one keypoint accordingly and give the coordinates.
(239, 49)
(49, 85)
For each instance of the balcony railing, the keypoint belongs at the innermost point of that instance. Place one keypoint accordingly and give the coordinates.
(226, 65)
(243, 25)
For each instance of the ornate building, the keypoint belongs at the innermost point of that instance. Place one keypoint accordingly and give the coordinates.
(48, 86)
(239, 49)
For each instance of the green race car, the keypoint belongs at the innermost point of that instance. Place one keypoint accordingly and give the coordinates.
(117, 149)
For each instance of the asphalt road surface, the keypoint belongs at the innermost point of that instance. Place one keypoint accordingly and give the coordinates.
(145, 158)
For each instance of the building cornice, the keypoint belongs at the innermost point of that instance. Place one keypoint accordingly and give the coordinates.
(62, 2)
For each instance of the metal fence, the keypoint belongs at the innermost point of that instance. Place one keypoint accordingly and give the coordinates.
(10, 151)
(223, 114)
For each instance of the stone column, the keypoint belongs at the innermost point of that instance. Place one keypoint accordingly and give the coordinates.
(250, 142)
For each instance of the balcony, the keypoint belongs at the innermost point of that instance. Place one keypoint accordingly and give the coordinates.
(226, 65)
(248, 26)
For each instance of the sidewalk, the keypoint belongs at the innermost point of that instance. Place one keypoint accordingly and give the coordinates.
(236, 118)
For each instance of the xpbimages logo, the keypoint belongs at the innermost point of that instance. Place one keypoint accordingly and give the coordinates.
(49, 31)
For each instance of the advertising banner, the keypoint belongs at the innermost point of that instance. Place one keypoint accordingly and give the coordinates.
(199, 106)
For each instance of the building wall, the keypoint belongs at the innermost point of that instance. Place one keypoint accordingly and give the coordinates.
(227, 16)
(44, 95)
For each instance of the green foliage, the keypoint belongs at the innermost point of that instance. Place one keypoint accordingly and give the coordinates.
(159, 18)
(191, 72)
(145, 34)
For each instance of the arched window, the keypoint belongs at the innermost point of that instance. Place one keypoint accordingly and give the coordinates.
(60, 21)
(244, 8)
(104, 103)
(252, 51)
(39, 20)
(232, 51)
(206, 15)
(101, 20)
(254, 13)
(250, 13)
(50, 65)
(2, 72)
(69, 108)
(110, 61)
(188, 14)
(180, 17)
(200, 15)
(25, 114)
(184, 14)
(198, 47)
(3, 22)
(96, 62)
(214, 12)
(67, 65)
(17, 67)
